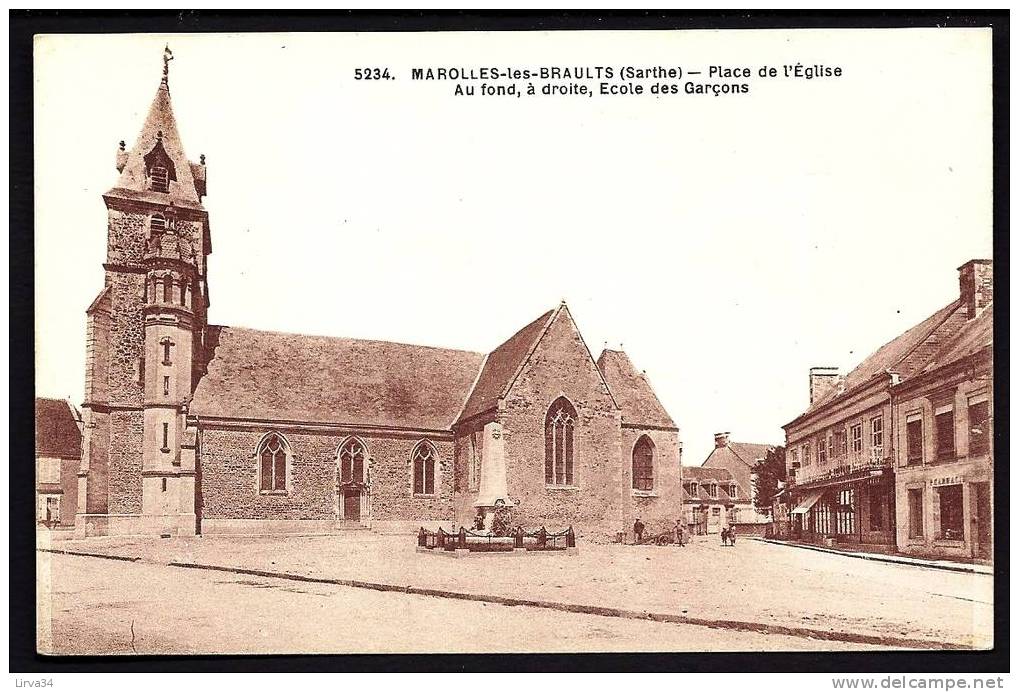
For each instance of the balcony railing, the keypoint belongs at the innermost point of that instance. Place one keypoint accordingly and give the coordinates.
(873, 461)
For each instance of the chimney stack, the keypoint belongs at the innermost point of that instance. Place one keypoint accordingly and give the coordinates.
(976, 285)
(823, 379)
(721, 440)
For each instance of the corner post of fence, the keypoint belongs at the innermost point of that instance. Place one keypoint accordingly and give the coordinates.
(462, 539)
(542, 537)
(571, 538)
(422, 537)
(518, 537)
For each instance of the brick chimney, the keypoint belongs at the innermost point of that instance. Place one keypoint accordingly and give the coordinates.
(721, 440)
(822, 380)
(976, 285)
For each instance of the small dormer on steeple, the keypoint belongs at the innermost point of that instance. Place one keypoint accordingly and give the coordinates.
(157, 162)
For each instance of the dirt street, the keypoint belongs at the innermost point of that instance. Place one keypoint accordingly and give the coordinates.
(104, 606)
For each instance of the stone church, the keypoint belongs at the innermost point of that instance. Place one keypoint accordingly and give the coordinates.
(193, 428)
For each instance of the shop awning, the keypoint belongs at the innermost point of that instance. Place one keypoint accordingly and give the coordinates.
(807, 501)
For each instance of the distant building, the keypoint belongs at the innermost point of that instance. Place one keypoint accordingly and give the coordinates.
(57, 457)
(944, 443)
(739, 459)
(842, 452)
(712, 499)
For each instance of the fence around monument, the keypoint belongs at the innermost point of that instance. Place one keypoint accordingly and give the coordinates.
(539, 540)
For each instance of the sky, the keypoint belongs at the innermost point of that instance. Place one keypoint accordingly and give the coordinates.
(727, 243)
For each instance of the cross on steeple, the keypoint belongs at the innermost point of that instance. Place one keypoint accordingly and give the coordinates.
(167, 57)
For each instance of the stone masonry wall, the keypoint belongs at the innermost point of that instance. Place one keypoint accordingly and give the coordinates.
(660, 508)
(562, 366)
(230, 477)
(125, 450)
(96, 449)
(125, 241)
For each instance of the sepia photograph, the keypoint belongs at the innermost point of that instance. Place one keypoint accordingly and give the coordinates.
(514, 342)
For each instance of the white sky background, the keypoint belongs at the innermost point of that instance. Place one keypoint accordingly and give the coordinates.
(728, 242)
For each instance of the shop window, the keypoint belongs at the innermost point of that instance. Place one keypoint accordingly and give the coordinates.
(944, 432)
(979, 425)
(845, 512)
(950, 502)
(914, 439)
(915, 502)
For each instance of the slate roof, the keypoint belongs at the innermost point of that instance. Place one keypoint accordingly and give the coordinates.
(702, 474)
(633, 391)
(892, 355)
(501, 366)
(750, 452)
(976, 335)
(739, 458)
(56, 429)
(160, 124)
(260, 375)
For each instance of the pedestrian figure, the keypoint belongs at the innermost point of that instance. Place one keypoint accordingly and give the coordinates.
(725, 536)
(638, 531)
(732, 535)
(679, 532)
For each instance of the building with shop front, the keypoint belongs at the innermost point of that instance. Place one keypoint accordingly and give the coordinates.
(944, 447)
(841, 452)
(194, 427)
(57, 458)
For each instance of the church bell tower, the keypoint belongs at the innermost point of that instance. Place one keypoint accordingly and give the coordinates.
(146, 338)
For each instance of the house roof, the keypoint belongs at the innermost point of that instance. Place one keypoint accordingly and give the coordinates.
(750, 452)
(56, 429)
(702, 475)
(501, 366)
(632, 391)
(892, 355)
(260, 375)
(975, 335)
(160, 128)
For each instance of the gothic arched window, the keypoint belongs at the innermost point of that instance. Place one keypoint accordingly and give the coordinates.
(559, 425)
(273, 453)
(643, 464)
(352, 456)
(424, 458)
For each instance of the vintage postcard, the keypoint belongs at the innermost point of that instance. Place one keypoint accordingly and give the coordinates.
(514, 342)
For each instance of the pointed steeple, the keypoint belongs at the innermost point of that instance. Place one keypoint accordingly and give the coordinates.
(156, 163)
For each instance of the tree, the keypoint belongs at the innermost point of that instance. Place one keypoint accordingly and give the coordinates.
(768, 473)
